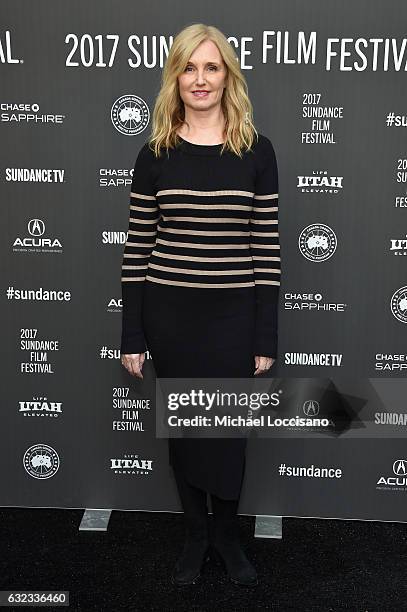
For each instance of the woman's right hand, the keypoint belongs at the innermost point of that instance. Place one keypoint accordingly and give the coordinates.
(133, 363)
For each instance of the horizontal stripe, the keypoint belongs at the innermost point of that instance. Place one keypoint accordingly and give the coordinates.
(206, 285)
(142, 244)
(189, 257)
(211, 206)
(270, 196)
(219, 192)
(150, 221)
(142, 196)
(201, 271)
(146, 208)
(207, 219)
(265, 209)
(263, 221)
(197, 245)
(172, 230)
(136, 256)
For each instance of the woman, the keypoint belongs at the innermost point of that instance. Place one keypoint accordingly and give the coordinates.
(201, 270)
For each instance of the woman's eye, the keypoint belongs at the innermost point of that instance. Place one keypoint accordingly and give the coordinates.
(212, 68)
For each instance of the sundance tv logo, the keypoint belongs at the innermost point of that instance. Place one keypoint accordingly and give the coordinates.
(397, 482)
(114, 237)
(35, 175)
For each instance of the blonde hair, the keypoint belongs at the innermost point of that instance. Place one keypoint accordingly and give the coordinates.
(169, 113)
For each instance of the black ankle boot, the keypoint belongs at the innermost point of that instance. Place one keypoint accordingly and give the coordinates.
(227, 545)
(196, 548)
(238, 566)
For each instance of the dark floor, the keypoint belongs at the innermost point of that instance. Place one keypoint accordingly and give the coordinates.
(319, 565)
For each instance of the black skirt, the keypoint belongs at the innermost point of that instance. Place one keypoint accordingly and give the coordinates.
(203, 333)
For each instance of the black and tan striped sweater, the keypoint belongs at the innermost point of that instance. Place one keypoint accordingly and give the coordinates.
(199, 218)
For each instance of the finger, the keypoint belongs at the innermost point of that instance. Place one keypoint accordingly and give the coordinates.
(135, 367)
(140, 363)
(130, 364)
(126, 363)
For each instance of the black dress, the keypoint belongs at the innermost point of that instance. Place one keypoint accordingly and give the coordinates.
(200, 281)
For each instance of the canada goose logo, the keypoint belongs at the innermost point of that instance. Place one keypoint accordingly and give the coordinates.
(317, 242)
(41, 461)
(398, 304)
(130, 115)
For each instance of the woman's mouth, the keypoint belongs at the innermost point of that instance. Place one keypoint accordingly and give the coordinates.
(200, 94)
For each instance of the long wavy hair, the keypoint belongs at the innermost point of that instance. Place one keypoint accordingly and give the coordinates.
(169, 111)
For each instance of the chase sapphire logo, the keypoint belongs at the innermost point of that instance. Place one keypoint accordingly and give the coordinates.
(130, 115)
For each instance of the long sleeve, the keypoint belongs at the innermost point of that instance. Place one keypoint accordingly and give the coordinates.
(141, 238)
(265, 249)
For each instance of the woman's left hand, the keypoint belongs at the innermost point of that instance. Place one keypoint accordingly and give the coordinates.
(262, 364)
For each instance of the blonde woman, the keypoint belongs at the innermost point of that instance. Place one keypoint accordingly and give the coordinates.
(201, 270)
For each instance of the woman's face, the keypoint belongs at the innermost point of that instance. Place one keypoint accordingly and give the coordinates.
(202, 83)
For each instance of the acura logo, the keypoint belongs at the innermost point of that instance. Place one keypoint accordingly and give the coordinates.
(36, 227)
(311, 408)
(400, 467)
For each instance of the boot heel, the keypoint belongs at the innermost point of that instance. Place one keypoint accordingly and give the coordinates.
(245, 576)
(188, 567)
(216, 556)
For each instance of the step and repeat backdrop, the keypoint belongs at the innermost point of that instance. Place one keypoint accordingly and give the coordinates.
(328, 86)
